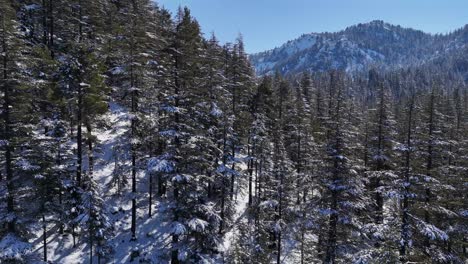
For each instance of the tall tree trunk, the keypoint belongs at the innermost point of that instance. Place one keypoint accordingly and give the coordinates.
(116, 167)
(250, 169)
(161, 186)
(7, 133)
(51, 29)
(380, 150)
(45, 38)
(298, 167)
(90, 246)
(150, 194)
(80, 21)
(366, 145)
(405, 205)
(175, 237)
(90, 150)
(74, 235)
(280, 217)
(79, 121)
(302, 244)
(223, 187)
(58, 163)
(233, 140)
(233, 167)
(90, 175)
(61, 212)
(331, 243)
(223, 195)
(257, 194)
(278, 256)
(303, 227)
(429, 164)
(44, 236)
(333, 220)
(79, 136)
(133, 152)
(133, 80)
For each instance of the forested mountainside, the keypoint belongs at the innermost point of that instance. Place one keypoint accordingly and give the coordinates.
(361, 47)
(128, 137)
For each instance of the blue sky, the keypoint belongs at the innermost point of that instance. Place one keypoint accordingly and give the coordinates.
(266, 24)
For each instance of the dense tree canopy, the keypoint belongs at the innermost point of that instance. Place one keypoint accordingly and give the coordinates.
(129, 134)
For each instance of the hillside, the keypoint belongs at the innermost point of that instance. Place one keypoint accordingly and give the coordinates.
(373, 44)
(126, 136)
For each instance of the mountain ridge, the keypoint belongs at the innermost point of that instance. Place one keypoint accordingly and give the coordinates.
(359, 47)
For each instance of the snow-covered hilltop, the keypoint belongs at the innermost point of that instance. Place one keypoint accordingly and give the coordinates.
(359, 47)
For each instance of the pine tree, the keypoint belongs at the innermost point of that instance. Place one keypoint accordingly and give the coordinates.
(260, 246)
(344, 188)
(406, 149)
(429, 185)
(94, 218)
(378, 161)
(302, 148)
(15, 117)
(447, 211)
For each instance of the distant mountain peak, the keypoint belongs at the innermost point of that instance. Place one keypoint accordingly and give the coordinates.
(377, 24)
(357, 48)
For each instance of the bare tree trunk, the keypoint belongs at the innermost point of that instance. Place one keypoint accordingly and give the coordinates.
(79, 137)
(302, 245)
(380, 149)
(61, 212)
(45, 38)
(331, 243)
(233, 181)
(405, 205)
(90, 150)
(74, 235)
(233, 141)
(333, 220)
(150, 193)
(90, 246)
(280, 216)
(298, 168)
(44, 236)
(429, 164)
(133, 135)
(250, 169)
(79, 121)
(175, 237)
(223, 187)
(133, 226)
(58, 162)
(7, 132)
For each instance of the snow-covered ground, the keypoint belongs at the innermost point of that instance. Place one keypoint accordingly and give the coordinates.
(239, 215)
(152, 233)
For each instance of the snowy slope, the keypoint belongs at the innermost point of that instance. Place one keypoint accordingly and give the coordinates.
(152, 233)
